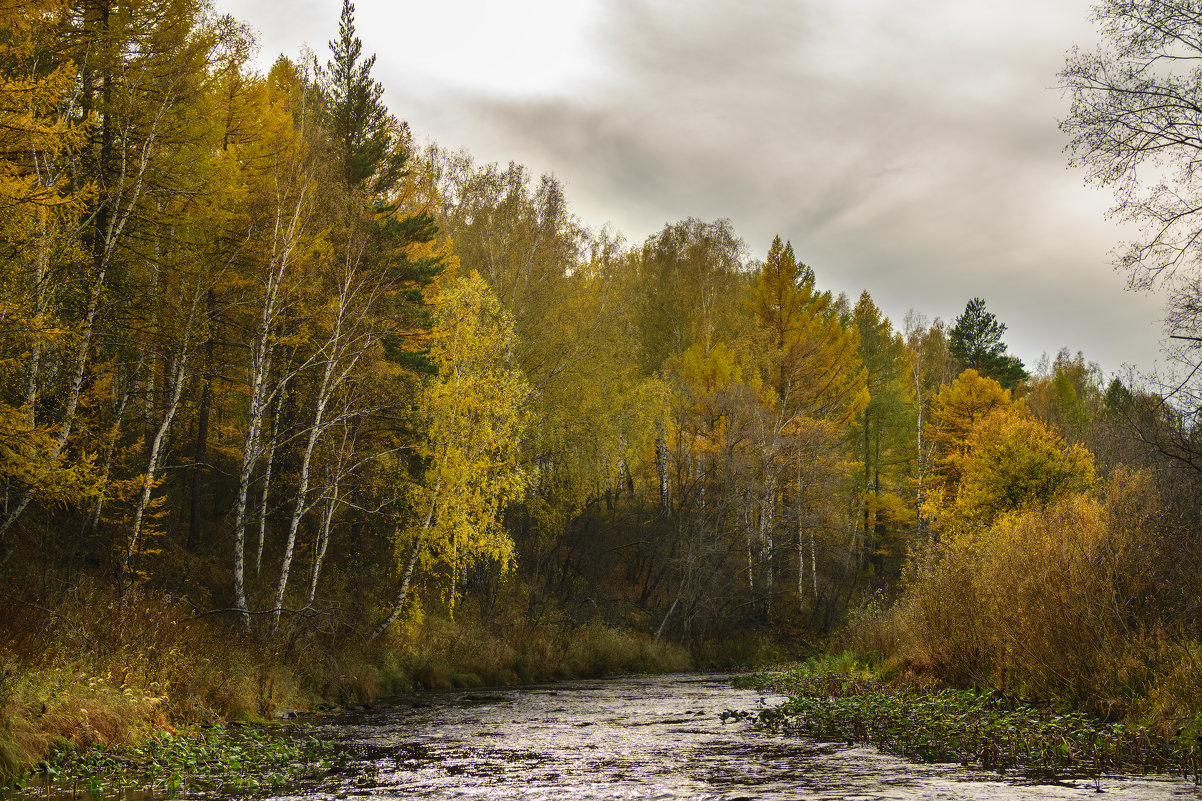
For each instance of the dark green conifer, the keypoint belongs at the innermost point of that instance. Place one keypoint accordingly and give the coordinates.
(374, 149)
(976, 341)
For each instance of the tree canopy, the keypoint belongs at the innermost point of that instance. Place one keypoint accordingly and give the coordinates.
(259, 352)
(975, 340)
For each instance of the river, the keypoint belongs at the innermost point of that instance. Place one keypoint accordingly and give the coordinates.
(642, 737)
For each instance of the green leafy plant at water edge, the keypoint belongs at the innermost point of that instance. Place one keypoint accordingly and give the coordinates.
(965, 726)
(217, 758)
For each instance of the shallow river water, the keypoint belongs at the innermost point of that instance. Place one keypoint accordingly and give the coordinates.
(643, 737)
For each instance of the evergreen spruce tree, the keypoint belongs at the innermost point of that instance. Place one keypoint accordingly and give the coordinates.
(976, 342)
(358, 118)
(374, 150)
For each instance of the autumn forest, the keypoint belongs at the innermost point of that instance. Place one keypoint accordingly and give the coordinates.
(281, 384)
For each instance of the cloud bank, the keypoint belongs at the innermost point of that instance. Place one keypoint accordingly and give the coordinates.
(912, 150)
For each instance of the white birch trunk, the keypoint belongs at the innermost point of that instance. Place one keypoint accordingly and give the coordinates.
(661, 465)
(41, 306)
(814, 567)
(399, 603)
(341, 359)
(156, 450)
(801, 553)
(158, 444)
(767, 522)
(107, 465)
(272, 446)
(117, 222)
(284, 240)
(322, 540)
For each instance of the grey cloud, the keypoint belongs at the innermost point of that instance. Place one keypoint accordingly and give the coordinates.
(921, 162)
(704, 41)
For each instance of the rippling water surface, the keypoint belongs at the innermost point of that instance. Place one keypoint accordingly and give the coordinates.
(644, 737)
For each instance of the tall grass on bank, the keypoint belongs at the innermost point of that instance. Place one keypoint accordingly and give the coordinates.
(441, 654)
(1066, 603)
(98, 669)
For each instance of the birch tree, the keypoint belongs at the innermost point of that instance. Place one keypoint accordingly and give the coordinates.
(378, 265)
(476, 415)
(349, 337)
(291, 173)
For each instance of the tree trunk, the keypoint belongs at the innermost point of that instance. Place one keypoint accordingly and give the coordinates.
(403, 592)
(321, 542)
(801, 553)
(399, 603)
(110, 217)
(661, 466)
(287, 231)
(767, 523)
(157, 444)
(341, 359)
(814, 566)
(93, 520)
(264, 497)
(323, 532)
(200, 451)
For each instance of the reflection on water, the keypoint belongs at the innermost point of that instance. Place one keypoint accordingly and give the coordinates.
(645, 737)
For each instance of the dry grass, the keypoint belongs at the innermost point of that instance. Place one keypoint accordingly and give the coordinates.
(97, 668)
(1057, 603)
(438, 653)
(603, 651)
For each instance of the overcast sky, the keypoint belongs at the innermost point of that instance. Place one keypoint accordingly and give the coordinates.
(910, 149)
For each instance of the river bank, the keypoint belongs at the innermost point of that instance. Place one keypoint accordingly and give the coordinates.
(105, 676)
(658, 735)
(641, 736)
(214, 759)
(838, 699)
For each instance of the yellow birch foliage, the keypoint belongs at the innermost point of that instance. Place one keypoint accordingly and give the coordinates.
(476, 415)
(717, 399)
(596, 414)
